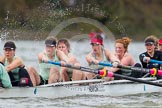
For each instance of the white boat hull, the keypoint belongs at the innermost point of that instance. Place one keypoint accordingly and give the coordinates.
(59, 90)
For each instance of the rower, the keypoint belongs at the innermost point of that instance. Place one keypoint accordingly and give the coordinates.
(50, 73)
(67, 73)
(99, 54)
(4, 77)
(15, 67)
(151, 53)
(126, 59)
(160, 45)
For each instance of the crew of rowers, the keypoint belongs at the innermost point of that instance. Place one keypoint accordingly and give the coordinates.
(13, 71)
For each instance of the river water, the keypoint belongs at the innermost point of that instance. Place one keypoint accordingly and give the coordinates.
(29, 50)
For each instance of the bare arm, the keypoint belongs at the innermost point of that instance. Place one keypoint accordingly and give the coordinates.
(90, 59)
(17, 62)
(41, 57)
(62, 56)
(112, 59)
(111, 56)
(2, 59)
(72, 59)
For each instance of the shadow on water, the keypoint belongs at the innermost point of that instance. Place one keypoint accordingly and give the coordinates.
(87, 101)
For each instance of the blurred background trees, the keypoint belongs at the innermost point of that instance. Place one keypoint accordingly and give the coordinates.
(139, 18)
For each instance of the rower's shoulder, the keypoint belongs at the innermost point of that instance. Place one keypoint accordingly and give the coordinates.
(143, 54)
(41, 54)
(128, 55)
(71, 55)
(108, 53)
(89, 54)
(159, 52)
(2, 58)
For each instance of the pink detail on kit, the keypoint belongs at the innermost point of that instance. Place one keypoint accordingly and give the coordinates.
(101, 72)
(92, 34)
(95, 40)
(151, 71)
(160, 72)
(110, 74)
(160, 41)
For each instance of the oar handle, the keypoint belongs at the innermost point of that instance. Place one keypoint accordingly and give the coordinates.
(55, 63)
(105, 64)
(155, 61)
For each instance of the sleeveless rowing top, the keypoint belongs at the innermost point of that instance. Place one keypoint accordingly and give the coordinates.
(105, 60)
(45, 67)
(15, 71)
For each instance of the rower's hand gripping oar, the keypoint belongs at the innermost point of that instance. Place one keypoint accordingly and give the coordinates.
(152, 61)
(104, 73)
(105, 64)
(135, 69)
(74, 67)
(155, 61)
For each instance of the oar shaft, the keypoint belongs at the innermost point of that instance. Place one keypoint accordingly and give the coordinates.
(105, 73)
(137, 80)
(55, 63)
(82, 68)
(74, 67)
(136, 69)
(111, 74)
(105, 64)
(155, 61)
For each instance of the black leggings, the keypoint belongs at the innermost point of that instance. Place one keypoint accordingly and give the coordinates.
(133, 73)
(22, 74)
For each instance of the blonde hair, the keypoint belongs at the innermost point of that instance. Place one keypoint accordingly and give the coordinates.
(125, 41)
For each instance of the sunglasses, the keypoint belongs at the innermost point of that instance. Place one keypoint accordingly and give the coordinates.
(95, 44)
(8, 49)
(51, 46)
(149, 44)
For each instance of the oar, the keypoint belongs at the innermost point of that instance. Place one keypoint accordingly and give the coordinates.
(104, 73)
(105, 64)
(111, 74)
(75, 67)
(155, 61)
(135, 69)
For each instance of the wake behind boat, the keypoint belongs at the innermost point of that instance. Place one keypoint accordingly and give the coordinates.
(71, 88)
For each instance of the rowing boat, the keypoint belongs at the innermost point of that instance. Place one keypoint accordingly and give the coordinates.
(87, 87)
(129, 86)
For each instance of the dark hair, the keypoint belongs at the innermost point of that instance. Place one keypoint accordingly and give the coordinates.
(98, 36)
(66, 42)
(154, 39)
